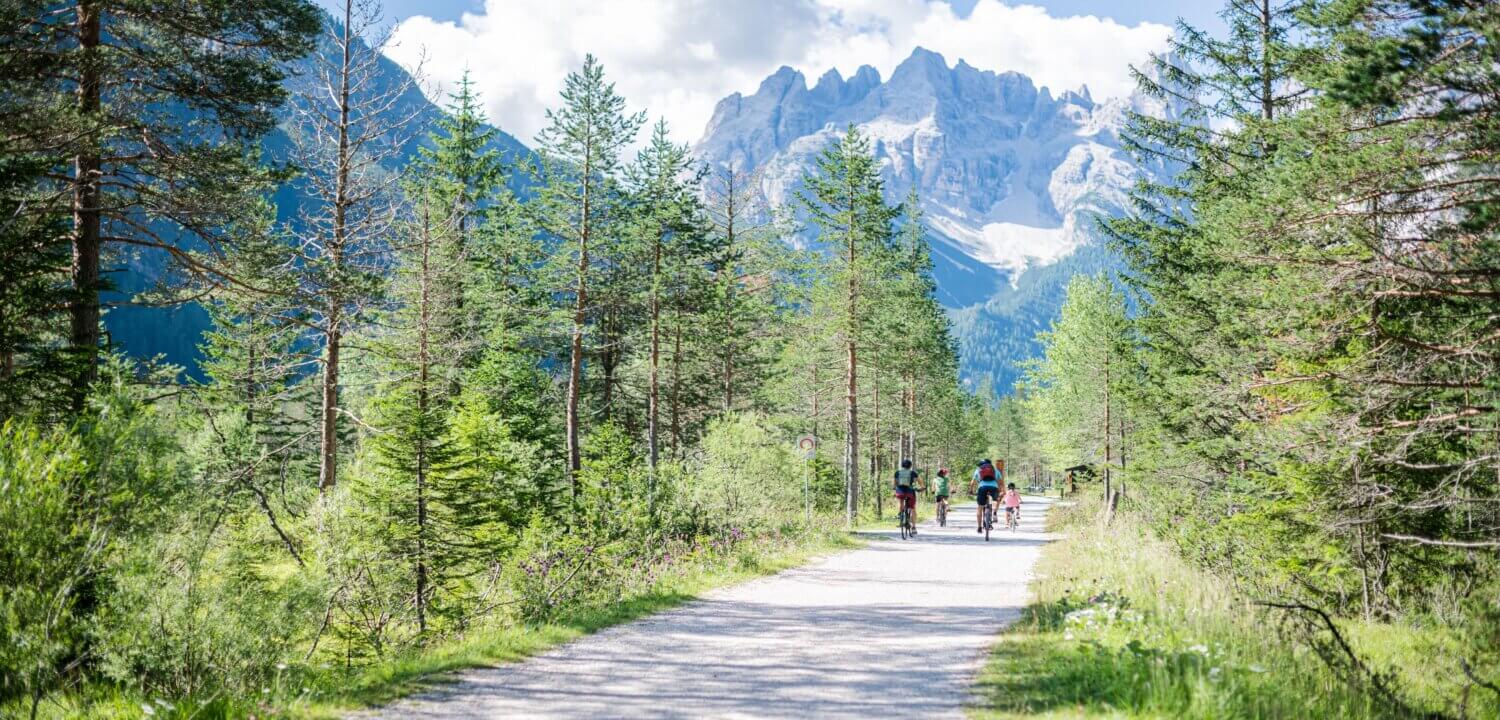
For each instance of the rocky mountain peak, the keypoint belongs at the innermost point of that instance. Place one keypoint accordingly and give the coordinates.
(1011, 175)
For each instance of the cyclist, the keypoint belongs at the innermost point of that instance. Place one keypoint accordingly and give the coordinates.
(1012, 503)
(986, 488)
(940, 488)
(906, 491)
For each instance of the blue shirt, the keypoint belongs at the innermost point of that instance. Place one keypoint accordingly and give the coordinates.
(985, 482)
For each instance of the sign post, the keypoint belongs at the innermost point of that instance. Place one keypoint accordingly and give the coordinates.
(809, 447)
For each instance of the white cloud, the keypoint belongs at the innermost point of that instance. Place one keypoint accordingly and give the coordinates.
(677, 58)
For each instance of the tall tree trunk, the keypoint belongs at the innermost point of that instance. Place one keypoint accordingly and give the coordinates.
(875, 438)
(729, 355)
(1109, 495)
(816, 392)
(328, 428)
(653, 400)
(333, 329)
(250, 378)
(423, 375)
(729, 297)
(851, 387)
(87, 208)
(575, 348)
(1267, 99)
(677, 381)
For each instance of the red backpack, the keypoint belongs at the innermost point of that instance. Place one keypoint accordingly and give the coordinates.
(987, 472)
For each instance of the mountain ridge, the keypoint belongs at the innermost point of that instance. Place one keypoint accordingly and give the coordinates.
(1012, 178)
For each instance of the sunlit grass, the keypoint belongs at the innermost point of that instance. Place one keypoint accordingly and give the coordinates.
(1122, 628)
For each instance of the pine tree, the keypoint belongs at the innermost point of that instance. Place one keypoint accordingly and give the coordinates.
(579, 203)
(844, 199)
(142, 124)
(668, 222)
(34, 374)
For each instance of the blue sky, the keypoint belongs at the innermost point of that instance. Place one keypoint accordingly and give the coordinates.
(677, 58)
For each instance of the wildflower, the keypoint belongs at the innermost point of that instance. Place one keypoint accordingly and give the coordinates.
(147, 709)
(280, 666)
(1256, 669)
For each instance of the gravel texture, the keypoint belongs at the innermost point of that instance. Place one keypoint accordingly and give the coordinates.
(894, 629)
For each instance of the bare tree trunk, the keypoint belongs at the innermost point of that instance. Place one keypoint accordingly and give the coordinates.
(816, 393)
(87, 169)
(729, 359)
(333, 330)
(729, 218)
(1109, 495)
(328, 429)
(1267, 99)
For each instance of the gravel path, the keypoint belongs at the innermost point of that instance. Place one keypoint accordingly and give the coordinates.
(895, 629)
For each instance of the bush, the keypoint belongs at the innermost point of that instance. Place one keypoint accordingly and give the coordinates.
(194, 612)
(70, 499)
(553, 571)
(744, 480)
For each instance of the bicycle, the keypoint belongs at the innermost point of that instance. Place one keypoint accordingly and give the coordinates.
(989, 520)
(942, 513)
(904, 519)
(1012, 519)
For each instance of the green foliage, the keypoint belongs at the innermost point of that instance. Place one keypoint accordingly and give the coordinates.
(1121, 626)
(193, 612)
(72, 500)
(748, 478)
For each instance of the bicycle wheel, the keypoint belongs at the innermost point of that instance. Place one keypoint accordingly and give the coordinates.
(989, 522)
(901, 520)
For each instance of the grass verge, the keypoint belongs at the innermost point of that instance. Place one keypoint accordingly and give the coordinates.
(1122, 628)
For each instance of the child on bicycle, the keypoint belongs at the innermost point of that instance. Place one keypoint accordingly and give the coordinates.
(940, 489)
(1012, 502)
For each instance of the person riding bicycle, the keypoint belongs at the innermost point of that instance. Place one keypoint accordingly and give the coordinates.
(906, 490)
(940, 486)
(1012, 502)
(986, 487)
